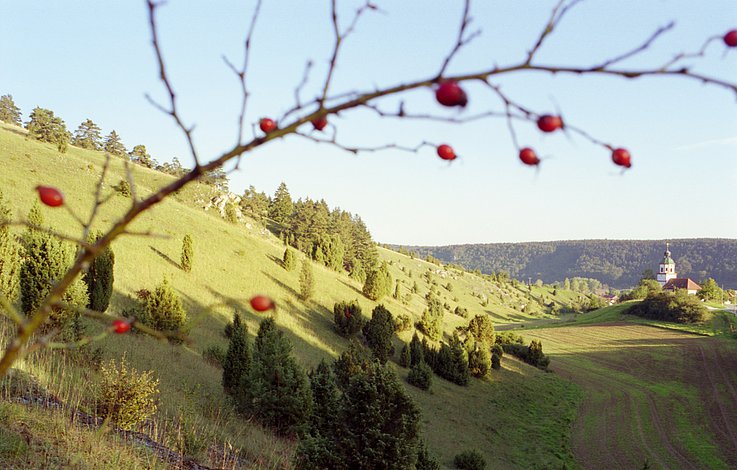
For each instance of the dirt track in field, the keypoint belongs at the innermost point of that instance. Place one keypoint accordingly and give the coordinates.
(651, 394)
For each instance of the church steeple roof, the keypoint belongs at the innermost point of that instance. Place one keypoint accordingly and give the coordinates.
(666, 256)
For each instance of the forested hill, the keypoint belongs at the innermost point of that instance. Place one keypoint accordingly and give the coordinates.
(618, 263)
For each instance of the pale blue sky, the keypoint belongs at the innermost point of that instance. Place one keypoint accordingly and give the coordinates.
(86, 59)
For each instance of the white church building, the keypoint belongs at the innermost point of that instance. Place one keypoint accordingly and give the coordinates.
(668, 276)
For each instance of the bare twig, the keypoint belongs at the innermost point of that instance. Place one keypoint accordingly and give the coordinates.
(357, 150)
(241, 73)
(172, 111)
(556, 15)
(462, 39)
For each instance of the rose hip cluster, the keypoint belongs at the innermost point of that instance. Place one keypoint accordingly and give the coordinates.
(449, 93)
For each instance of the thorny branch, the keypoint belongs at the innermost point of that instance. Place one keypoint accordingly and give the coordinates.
(241, 73)
(325, 105)
(172, 111)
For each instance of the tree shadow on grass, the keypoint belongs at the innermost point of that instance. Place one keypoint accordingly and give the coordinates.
(276, 260)
(165, 256)
(281, 284)
(354, 288)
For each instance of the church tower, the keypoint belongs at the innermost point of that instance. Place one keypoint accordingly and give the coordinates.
(667, 269)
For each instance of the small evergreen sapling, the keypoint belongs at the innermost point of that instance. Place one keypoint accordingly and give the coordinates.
(306, 281)
(187, 253)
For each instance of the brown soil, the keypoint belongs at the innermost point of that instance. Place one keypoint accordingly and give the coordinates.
(633, 403)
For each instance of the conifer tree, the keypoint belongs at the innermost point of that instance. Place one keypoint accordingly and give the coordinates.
(481, 329)
(100, 276)
(163, 309)
(46, 127)
(9, 112)
(377, 414)
(46, 261)
(237, 362)
(140, 156)
(10, 257)
(479, 361)
(379, 332)
(289, 261)
(405, 357)
(187, 253)
(378, 283)
(281, 207)
(325, 400)
(348, 318)
(357, 272)
(278, 392)
(87, 136)
(397, 291)
(306, 280)
(425, 461)
(114, 146)
(431, 322)
(416, 351)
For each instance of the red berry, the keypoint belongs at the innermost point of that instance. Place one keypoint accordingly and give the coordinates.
(121, 326)
(347, 313)
(446, 152)
(730, 39)
(622, 157)
(528, 156)
(50, 196)
(261, 303)
(451, 94)
(548, 123)
(320, 123)
(267, 125)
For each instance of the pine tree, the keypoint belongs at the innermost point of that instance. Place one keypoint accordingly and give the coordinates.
(278, 392)
(46, 127)
(87, 136)
(425, 461)
(10, 257)
(140, 156)
(289, 261)
(306, 281)
(187, 253)
(481, 329)
(163, 309)
(9, 112)
(479, 361)
(114, 146)
(379, 332)
(281, 207)
(100, 276)
(237, 362)
(431, 322)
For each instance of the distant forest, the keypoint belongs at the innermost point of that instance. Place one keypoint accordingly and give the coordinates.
(618, 263)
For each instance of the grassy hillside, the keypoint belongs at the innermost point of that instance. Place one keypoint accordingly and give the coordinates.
(618, 263)
(234, 262)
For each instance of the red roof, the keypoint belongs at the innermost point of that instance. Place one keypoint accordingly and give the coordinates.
(681, 283)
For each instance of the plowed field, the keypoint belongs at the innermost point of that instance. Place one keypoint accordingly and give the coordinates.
(651, 394)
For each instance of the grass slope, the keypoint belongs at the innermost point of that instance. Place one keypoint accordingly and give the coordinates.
(234, 262)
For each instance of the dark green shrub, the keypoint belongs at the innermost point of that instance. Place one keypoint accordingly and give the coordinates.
(379, 332)
(416, 351)
(678, 307)
(100, 276)
(306, 281)
(420, 375)
(461, 311)
(11, 257)
(405, 357)
(496, 361)
(431, 322)
(470, 460)
(163, 309)
(125, 396)
(289, 260)
(123, 188)
(479, 361)
(348, 318)
(187, 253)
(215, 355)
(276, 390)
(402, 323)
(237, 360)
(425, 461)
(378, 283)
